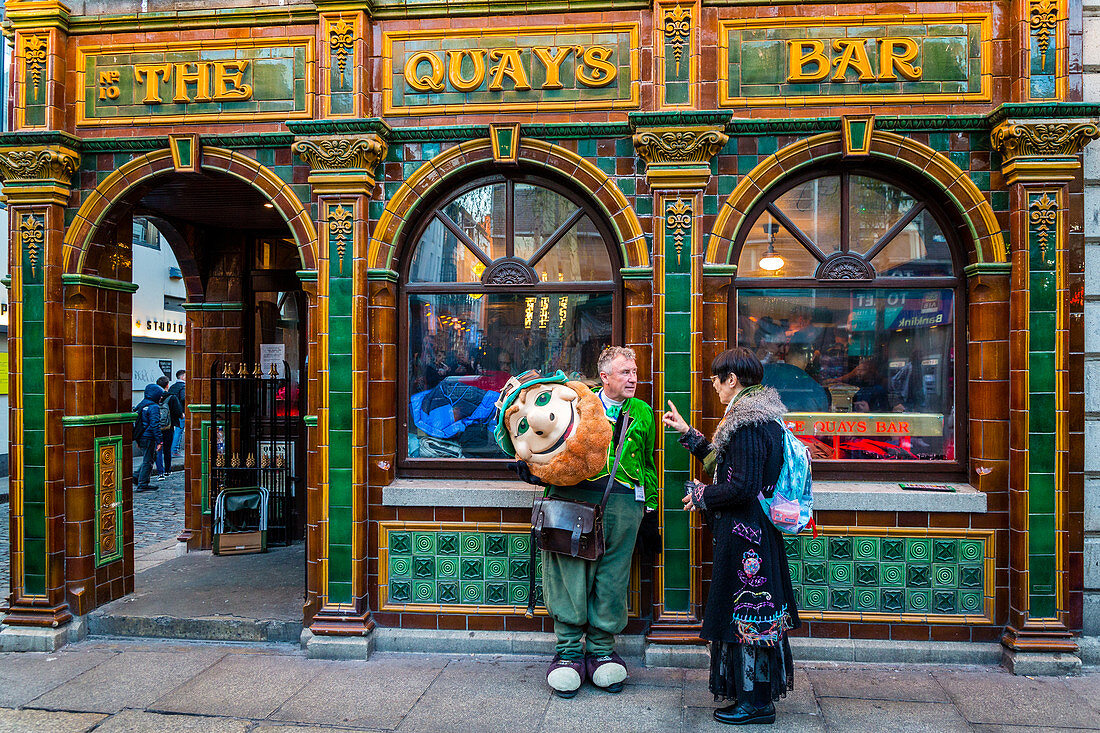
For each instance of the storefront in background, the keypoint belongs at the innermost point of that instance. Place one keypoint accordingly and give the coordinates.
(408, 205)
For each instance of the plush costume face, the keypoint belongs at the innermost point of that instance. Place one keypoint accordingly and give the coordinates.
(557, 427)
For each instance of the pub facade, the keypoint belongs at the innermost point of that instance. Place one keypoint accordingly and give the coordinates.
(390, 207)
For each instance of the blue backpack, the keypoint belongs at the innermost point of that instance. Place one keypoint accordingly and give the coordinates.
(791, 506)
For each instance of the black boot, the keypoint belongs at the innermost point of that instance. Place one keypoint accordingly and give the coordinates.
(762, 701)
(745, 712)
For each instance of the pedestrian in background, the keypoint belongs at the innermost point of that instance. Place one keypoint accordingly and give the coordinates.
(170, 414)
(146, 432)
(750, 607)
(179, 391)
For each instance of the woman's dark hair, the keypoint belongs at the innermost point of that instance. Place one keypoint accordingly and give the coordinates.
(739, 361)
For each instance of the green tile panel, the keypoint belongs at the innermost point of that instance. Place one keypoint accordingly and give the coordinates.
(461, 568)
(893, 575)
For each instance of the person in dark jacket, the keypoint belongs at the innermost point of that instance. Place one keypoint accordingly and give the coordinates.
(175, 417)
(179, 391)
(146, 432)
(751, 607)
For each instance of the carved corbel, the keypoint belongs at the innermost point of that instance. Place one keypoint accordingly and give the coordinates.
(342, 164)
(38, 174)
(679, 158)
(1044, 151)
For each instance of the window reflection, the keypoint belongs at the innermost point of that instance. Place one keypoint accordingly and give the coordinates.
(464, 347)
(865, 373)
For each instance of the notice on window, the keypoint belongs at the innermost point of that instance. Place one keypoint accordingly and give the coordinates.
(273, 355)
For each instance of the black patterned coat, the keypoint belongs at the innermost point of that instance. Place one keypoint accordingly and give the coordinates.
(751, 600)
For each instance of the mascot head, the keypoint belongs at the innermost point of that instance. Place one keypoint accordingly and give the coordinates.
(556, 426)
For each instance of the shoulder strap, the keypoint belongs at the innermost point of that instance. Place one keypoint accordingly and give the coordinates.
(621, 428)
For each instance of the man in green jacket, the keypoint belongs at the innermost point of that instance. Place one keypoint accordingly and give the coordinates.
(588, 599)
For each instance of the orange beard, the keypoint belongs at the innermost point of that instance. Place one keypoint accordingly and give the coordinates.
(585, 453)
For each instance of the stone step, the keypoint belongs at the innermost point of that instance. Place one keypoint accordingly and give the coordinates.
(216, 628)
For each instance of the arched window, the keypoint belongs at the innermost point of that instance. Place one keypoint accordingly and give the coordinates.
(507, 273)
(848, 290)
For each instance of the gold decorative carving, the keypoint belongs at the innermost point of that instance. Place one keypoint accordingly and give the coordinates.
(31, 236)
(684, 145)
(342, 153)
(339, 227)
(677, 31)
(1056, 138)
(34, 51)
(341, 36)
(678, 220)
(1043, 19)
(1044, 217)
(107, 499)
(38, 163)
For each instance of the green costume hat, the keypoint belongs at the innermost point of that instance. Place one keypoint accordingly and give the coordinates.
(508, 395)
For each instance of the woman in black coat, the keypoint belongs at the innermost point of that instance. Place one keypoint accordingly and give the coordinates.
(751, 603)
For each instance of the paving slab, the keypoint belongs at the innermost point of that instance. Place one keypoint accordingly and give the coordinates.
(481, 697)
(138, 721)
(285, 728)
(43, 721)
(362, 694)
(998, 697)
(902, 685)
(702, 720)
(887, 716)
(1088, 687)
(637, 708)
(131, 680)
(657, 676)
(242, 686)
(26, 675)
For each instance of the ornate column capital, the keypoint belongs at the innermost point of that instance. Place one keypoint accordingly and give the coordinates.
(679, 157)
(38, 173)
(1048, 151)
(342, 164)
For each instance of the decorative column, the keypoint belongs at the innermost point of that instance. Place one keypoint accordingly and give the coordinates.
(342, 178)
(37, 181)
(1041, 164)
(677, 169)
(1040, 31)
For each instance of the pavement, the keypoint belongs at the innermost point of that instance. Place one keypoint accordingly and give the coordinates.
(158, 519)
(145, 686)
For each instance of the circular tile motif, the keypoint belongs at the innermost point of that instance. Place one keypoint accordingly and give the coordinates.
(400, 566)
(447, 567)
(423, 543)
(891, 574)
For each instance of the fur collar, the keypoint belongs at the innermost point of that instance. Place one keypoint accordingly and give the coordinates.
(752, 409)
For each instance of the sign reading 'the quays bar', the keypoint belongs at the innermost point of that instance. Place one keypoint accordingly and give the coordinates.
(877, 58)
(493, 70)
(215, 80)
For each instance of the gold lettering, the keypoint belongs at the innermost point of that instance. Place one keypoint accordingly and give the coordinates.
(454, 69)
(108, 85)
(803, 52)
(432, 82)
(151, 75)
(897, 53)
(603, 72)
(229, 81)
(511, 65)
(200, 77)
(552, 63)
(854, 56)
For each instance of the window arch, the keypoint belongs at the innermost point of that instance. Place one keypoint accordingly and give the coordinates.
(848, 289)
(505, 273)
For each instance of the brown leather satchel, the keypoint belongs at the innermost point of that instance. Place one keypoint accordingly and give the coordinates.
(571, 527)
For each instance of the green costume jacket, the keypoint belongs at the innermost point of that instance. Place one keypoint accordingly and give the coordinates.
(637, 465)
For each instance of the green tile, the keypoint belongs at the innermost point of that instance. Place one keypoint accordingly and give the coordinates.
(970, 602)
(971, 576)
(893, 550)
(840, 548)
(840, 573)
(472, 544)
(815, 598)
(945, 550)
(918, 601)
(866, 574)
(918, 576)
(865, 548)
(840, 599)
(945, 575)
(943, 602)
(892, 601)
(918, 549)
(866, 599)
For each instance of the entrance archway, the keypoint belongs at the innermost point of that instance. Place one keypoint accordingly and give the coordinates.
(243, 240)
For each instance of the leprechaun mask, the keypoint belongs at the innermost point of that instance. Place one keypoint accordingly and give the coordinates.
(557, 427)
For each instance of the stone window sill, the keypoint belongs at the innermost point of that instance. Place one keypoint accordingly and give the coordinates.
(873, 496)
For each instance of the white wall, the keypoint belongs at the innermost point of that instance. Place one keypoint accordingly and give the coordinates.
(1092, 328)
(157, 333)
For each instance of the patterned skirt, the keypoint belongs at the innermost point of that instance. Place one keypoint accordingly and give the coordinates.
(736, 668)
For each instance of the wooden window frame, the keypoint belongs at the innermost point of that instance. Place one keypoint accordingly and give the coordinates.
(483, 468)
(954, 232)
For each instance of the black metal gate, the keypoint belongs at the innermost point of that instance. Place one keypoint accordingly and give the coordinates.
(253, 434)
